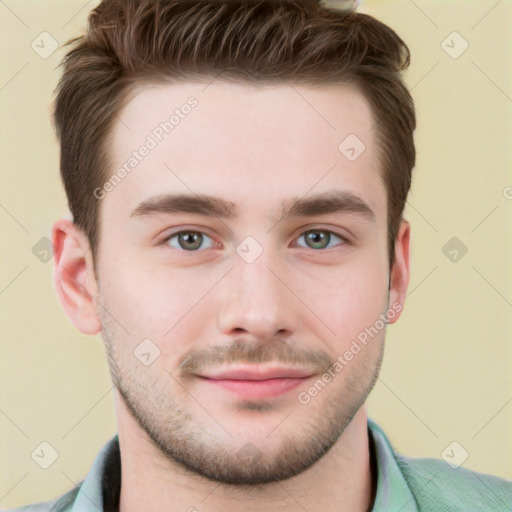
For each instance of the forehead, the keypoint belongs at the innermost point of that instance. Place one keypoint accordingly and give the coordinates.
(245, 142)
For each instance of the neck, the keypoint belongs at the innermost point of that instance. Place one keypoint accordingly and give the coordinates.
(341, 480)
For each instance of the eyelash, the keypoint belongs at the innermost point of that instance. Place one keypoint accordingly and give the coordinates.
(177, 233)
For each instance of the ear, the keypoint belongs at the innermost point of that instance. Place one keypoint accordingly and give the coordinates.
(74, 277)
(399, 278)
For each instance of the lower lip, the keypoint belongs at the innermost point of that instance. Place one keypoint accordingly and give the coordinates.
(257, 389)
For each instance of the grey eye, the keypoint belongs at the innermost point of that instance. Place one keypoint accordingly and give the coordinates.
(319, 238)
(189, 240)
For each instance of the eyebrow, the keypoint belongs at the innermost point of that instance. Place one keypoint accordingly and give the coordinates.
(319, 204)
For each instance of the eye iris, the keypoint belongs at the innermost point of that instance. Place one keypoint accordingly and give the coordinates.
(190, 237)
(319, 239)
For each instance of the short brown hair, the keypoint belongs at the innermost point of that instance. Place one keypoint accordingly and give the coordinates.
(253, 42)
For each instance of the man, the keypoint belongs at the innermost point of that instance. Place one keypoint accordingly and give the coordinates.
(237, 174)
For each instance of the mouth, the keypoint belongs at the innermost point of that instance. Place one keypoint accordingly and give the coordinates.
(255, 382)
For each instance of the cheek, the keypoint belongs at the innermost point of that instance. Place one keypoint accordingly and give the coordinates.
(167, 305)
(150, 302)
(346, 299)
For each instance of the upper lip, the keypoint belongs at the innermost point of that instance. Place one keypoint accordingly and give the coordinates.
(257, 372)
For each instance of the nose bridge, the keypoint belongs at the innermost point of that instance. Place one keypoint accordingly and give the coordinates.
(254, 296)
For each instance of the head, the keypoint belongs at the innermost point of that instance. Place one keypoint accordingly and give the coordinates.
(290, 117)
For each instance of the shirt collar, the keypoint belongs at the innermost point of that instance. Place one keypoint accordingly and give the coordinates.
(100, 490)
(393, 493)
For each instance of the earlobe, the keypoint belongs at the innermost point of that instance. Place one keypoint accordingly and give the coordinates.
(399, 278)
(74, 277)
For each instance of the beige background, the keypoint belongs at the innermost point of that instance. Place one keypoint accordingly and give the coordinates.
(446, 374)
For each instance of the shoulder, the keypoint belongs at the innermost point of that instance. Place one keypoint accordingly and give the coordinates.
(435, 484)
(45, 506)
(62, 504)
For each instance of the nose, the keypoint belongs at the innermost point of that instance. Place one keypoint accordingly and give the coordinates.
(257, 299)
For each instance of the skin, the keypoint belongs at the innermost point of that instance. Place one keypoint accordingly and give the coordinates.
(180, 435)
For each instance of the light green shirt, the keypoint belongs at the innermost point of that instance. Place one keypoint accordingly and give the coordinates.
(404, 484)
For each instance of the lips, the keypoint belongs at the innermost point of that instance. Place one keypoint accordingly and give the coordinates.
(257, 381)
(257, 372)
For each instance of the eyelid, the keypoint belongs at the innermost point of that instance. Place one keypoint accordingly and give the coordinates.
(201, 231)
(187, 229)
(332, 230)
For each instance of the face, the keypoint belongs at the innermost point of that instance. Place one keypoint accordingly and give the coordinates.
(243, 272)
